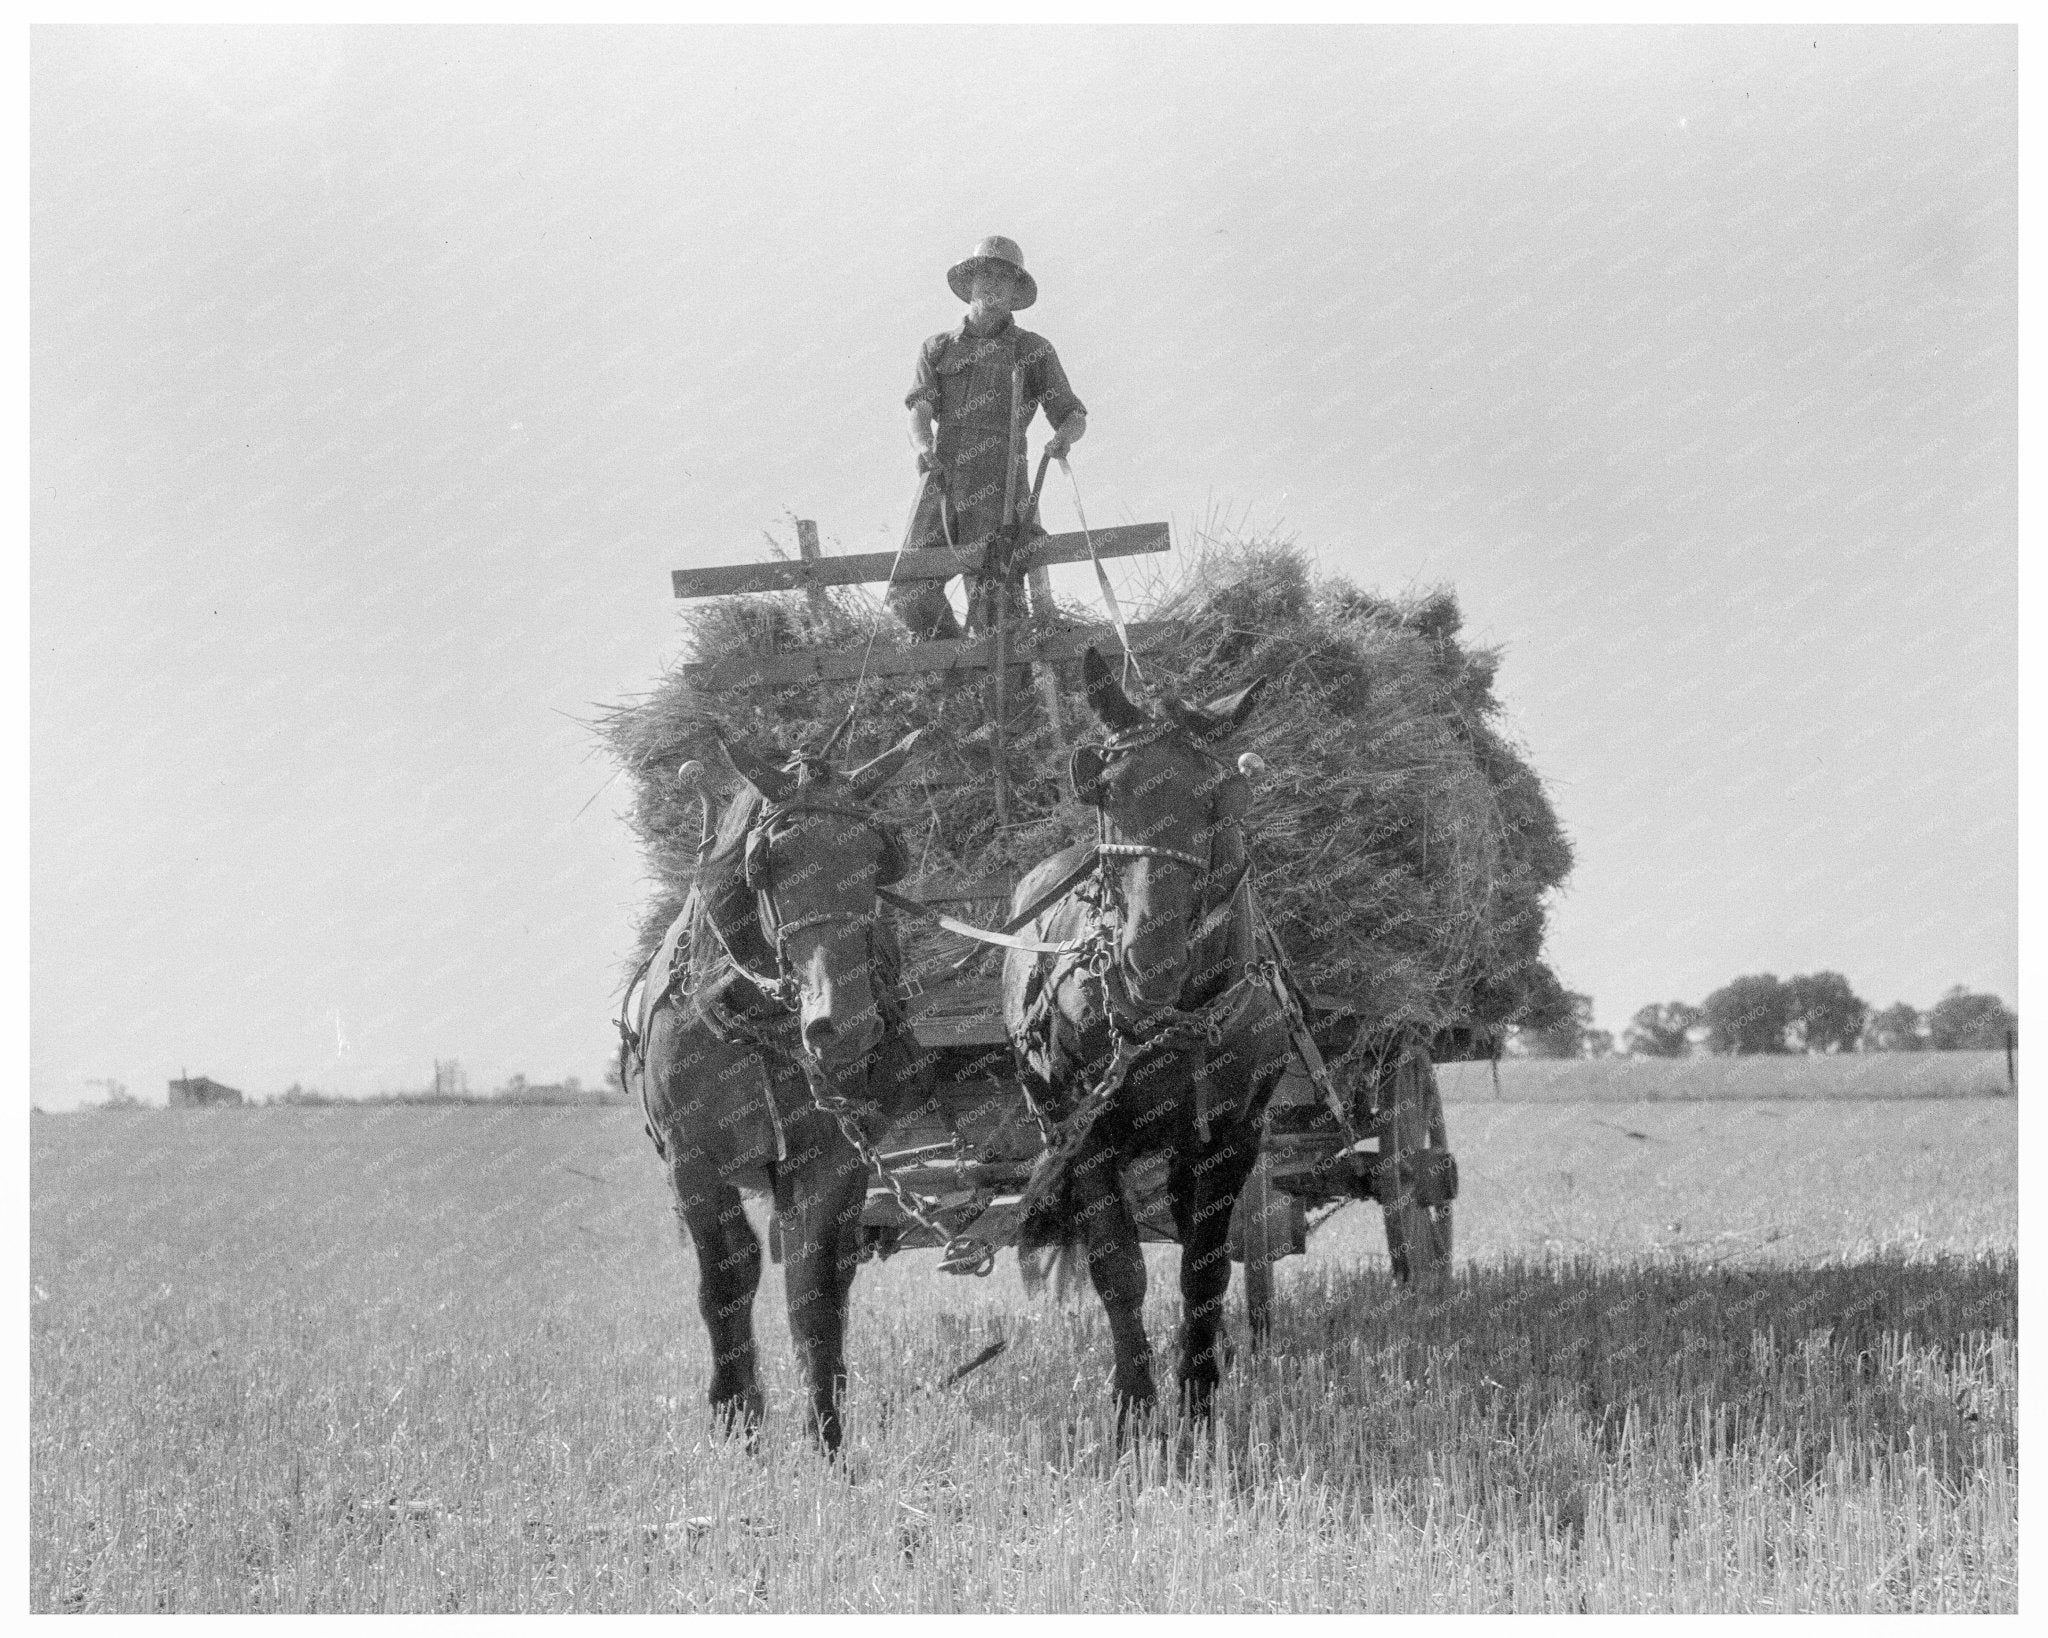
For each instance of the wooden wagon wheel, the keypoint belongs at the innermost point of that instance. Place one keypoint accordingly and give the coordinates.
(1423, 1176)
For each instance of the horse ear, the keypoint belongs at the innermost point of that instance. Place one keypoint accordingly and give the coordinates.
(1223, 715)
(774, 783)
(870, 777)
(1106, 697)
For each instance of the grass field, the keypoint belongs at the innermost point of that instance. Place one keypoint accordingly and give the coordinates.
(1703, 1356)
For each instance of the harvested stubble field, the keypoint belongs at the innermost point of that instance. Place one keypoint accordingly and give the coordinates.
(1711, 1356)
(1790, 1075)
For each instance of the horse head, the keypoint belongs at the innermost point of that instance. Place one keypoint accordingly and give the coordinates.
(809, 856)
(1168, 822)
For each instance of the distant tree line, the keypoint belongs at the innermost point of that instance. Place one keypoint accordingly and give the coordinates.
(1761, 1013)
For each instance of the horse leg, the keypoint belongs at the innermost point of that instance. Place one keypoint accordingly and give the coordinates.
(821, 1203)
(1202, 1197)
(1116, 1265)
(728, 1273)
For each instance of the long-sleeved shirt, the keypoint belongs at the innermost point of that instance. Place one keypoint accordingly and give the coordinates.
(965, 381)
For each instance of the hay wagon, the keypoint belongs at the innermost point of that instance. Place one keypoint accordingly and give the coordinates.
(973, 1146)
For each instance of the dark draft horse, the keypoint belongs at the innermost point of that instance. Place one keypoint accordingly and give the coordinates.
(778, 982)
(1167, 980)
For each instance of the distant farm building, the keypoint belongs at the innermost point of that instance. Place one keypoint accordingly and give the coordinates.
(199, 1092)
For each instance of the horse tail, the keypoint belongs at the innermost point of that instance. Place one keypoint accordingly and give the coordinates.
(1050, 1248)
(1062, 1268)
(1057, 1268)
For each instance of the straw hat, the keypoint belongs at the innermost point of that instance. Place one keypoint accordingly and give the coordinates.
(1002, 255)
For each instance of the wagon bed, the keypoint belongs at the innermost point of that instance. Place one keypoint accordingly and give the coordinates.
(974, 1141)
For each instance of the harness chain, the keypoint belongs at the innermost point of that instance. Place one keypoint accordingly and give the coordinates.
(962, 1256)
(843, 1114)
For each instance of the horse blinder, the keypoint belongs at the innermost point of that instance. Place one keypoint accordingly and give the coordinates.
(754, 864)
(895, 863)
(1233, 798)
(1084, 768)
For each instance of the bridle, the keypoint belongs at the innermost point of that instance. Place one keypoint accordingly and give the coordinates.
(1209, 909)
(785, 988)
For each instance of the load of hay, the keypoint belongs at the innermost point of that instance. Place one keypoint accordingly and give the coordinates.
(1404, 848)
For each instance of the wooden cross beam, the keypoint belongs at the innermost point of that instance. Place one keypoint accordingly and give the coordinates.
(732, 579)
(813, 572)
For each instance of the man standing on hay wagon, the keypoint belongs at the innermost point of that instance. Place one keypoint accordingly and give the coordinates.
(964, 385)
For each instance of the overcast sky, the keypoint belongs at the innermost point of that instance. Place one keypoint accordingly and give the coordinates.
(380, 378)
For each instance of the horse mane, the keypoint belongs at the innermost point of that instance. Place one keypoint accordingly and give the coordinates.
(722, 895)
